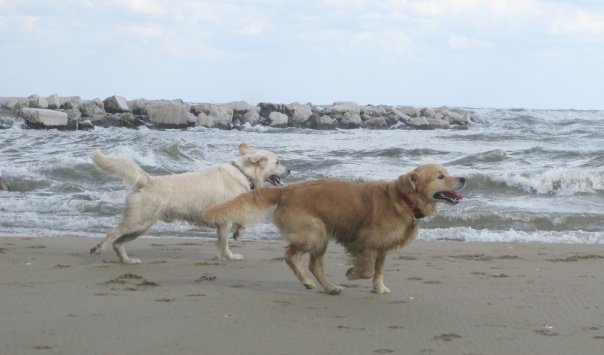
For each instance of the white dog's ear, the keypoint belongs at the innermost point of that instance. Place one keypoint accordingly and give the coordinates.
(258, 159)
(244, 149)
(408, 183)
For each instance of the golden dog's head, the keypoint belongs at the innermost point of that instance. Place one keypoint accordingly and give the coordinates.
(428, 185)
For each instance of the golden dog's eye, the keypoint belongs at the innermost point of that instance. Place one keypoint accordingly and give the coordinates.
(441, 176)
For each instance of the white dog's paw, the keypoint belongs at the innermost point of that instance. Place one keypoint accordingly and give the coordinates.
(232, 256)
(131, 261)
(229, 256)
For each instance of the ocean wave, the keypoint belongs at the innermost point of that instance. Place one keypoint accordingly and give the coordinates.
(511, 236)
(563, 182)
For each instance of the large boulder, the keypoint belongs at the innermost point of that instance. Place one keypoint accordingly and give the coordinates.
(213, 116)
(322, 122)
(299, 114)
(168, 114)
(43, 118)
(92, 108)
(54, 102)
(36, 101)
(70, 102)
(278, 119)
(375, 123)
(267, 108)
(351, 120)
(409, 111)
(116, 104)
(14, 103)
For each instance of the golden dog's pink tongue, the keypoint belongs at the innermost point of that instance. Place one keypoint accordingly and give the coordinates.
(454, 195)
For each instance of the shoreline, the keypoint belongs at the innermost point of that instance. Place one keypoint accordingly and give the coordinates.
(447, 297)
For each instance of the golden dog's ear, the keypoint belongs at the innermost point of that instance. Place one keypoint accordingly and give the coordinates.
(258, 159)
(244, 149)
(408, 183)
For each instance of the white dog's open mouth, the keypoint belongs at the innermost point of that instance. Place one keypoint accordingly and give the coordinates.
(451, 197)
(275, 180)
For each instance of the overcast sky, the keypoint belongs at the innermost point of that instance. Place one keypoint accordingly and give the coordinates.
(460, 53)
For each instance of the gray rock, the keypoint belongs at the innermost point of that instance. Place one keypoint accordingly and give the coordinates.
(212, 115)
(70, 102)
(43, 118)
(168, 114)
(400, 116)
(375, 123)
(36, 101)
(299, 114)
(92, 108)
(427, 112)
(351, 120)
(252, 117)
(436, 122)
(322, 122)
(85, 125)
(409, 111)
(116, 104)
(418, 123)
(74, 116)
(278, 119)
(267, 108)
(54, 102)
(14, 103)
(341, 107)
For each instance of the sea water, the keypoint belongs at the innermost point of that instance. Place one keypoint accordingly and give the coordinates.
(532, 175)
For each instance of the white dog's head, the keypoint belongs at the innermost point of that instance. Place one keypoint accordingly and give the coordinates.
(260, 166)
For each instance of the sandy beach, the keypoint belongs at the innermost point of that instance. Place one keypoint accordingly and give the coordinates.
(447, 298)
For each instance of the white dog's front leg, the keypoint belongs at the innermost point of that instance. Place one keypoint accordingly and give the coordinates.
(223, 244)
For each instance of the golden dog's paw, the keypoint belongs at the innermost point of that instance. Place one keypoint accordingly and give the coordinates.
(381, 289)
(95, 250)
(334, 291)
(310, 285)
(353, 274)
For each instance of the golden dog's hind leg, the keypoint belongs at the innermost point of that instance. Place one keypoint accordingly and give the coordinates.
(316, 267)
(378, 277)
(363, 263)
(292, 257)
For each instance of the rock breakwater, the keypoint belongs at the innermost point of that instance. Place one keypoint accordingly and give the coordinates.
(73, 113)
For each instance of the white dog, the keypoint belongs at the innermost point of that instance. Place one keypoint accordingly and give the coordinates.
(185, 196)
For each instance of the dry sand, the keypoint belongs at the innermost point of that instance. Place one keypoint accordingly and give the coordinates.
(447, 298)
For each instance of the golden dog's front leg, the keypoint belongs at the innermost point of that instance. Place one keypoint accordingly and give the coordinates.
(378, 276)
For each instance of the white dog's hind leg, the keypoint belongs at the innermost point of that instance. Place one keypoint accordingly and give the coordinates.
(239, 231)
(223, 243)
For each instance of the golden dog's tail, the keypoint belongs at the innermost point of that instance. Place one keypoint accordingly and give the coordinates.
(247, 208)
(132, 174)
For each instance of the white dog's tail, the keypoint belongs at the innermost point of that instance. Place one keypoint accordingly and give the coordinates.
(247, 208)
(132, 174)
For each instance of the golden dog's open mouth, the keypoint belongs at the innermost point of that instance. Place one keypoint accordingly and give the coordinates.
(451, 197)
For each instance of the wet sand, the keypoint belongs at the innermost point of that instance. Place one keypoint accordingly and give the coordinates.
(447, 297)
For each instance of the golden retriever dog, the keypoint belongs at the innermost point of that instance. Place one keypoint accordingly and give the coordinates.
(185, 196)
(367, 218)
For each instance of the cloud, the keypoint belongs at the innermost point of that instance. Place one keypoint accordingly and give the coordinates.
(462, 42)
